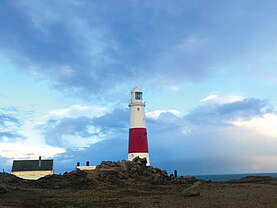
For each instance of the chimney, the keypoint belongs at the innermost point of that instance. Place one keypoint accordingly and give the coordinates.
(87, 163)
(78, 164)
(39, 162)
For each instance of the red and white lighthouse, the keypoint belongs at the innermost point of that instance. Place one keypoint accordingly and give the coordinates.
(138, 145)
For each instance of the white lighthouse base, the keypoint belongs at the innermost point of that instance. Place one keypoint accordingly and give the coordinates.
(131, 156)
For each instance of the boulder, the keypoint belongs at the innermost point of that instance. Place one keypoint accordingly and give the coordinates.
(193, 190)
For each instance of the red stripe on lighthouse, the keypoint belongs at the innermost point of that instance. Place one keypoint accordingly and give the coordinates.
(138, 140)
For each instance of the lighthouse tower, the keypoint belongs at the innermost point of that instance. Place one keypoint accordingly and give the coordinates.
(138, 145)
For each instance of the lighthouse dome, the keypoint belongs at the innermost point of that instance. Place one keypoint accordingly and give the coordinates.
(136, 89)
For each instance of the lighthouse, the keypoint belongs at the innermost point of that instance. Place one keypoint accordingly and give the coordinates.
(138, 146)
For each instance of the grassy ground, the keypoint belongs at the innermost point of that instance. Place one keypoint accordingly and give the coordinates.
(212, 195)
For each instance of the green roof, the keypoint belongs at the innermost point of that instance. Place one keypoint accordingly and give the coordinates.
(31, 165)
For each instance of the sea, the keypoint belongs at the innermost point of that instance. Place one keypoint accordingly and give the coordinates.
(227, 177)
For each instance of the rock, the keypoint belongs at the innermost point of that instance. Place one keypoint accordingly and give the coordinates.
(164, 173)
(124, 172)
(124, 165)
(140, 161)
(193, 190)
(3, 189)
(107, 164)
(158, 180)
(155, 170)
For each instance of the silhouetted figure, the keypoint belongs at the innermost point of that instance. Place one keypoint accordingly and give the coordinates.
(175, 173)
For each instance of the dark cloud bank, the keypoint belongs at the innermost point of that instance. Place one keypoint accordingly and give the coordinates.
(90, 47)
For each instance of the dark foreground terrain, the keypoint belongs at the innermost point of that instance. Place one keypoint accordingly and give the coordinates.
(132, 184)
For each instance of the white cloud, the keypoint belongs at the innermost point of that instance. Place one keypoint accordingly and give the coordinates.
(33, 143)
(77, 142)
(221, 99)
(265, 125)
(157, 113)
(32, 146)
(27, 150)
(174, 88)
(76, 111)
(209, 97)
(67, 71)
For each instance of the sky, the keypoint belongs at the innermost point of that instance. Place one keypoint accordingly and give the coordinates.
(207, 70)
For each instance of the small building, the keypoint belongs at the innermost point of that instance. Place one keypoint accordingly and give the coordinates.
(87, 167)
(32, 169)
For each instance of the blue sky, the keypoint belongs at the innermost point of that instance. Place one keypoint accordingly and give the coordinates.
(207, 70)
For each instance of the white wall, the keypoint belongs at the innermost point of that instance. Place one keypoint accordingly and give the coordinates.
(32, 175)
(137, 119)
(86, 167)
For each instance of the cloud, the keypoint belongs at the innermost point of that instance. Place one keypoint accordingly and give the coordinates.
(92, 49)
(75, 111)
(27, 150)
(19, 139)
(70, 132)
(174, 88)
(73, 130)
(156, 114)
(9, 124)
(7, 118)
(215, 138)
(214, 113)
(265, 125)
(9, 135)
(117, 120)
(221, 99)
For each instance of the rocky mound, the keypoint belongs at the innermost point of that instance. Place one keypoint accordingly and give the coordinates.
(134, 172)
(9, 182)
(128, 172)
(9, 179)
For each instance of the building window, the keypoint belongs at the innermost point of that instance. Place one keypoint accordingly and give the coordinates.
(138, 109)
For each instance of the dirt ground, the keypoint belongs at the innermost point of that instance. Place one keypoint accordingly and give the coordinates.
(213, 195)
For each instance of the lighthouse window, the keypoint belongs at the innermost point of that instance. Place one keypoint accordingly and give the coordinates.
(138, 96)
(138, 109)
